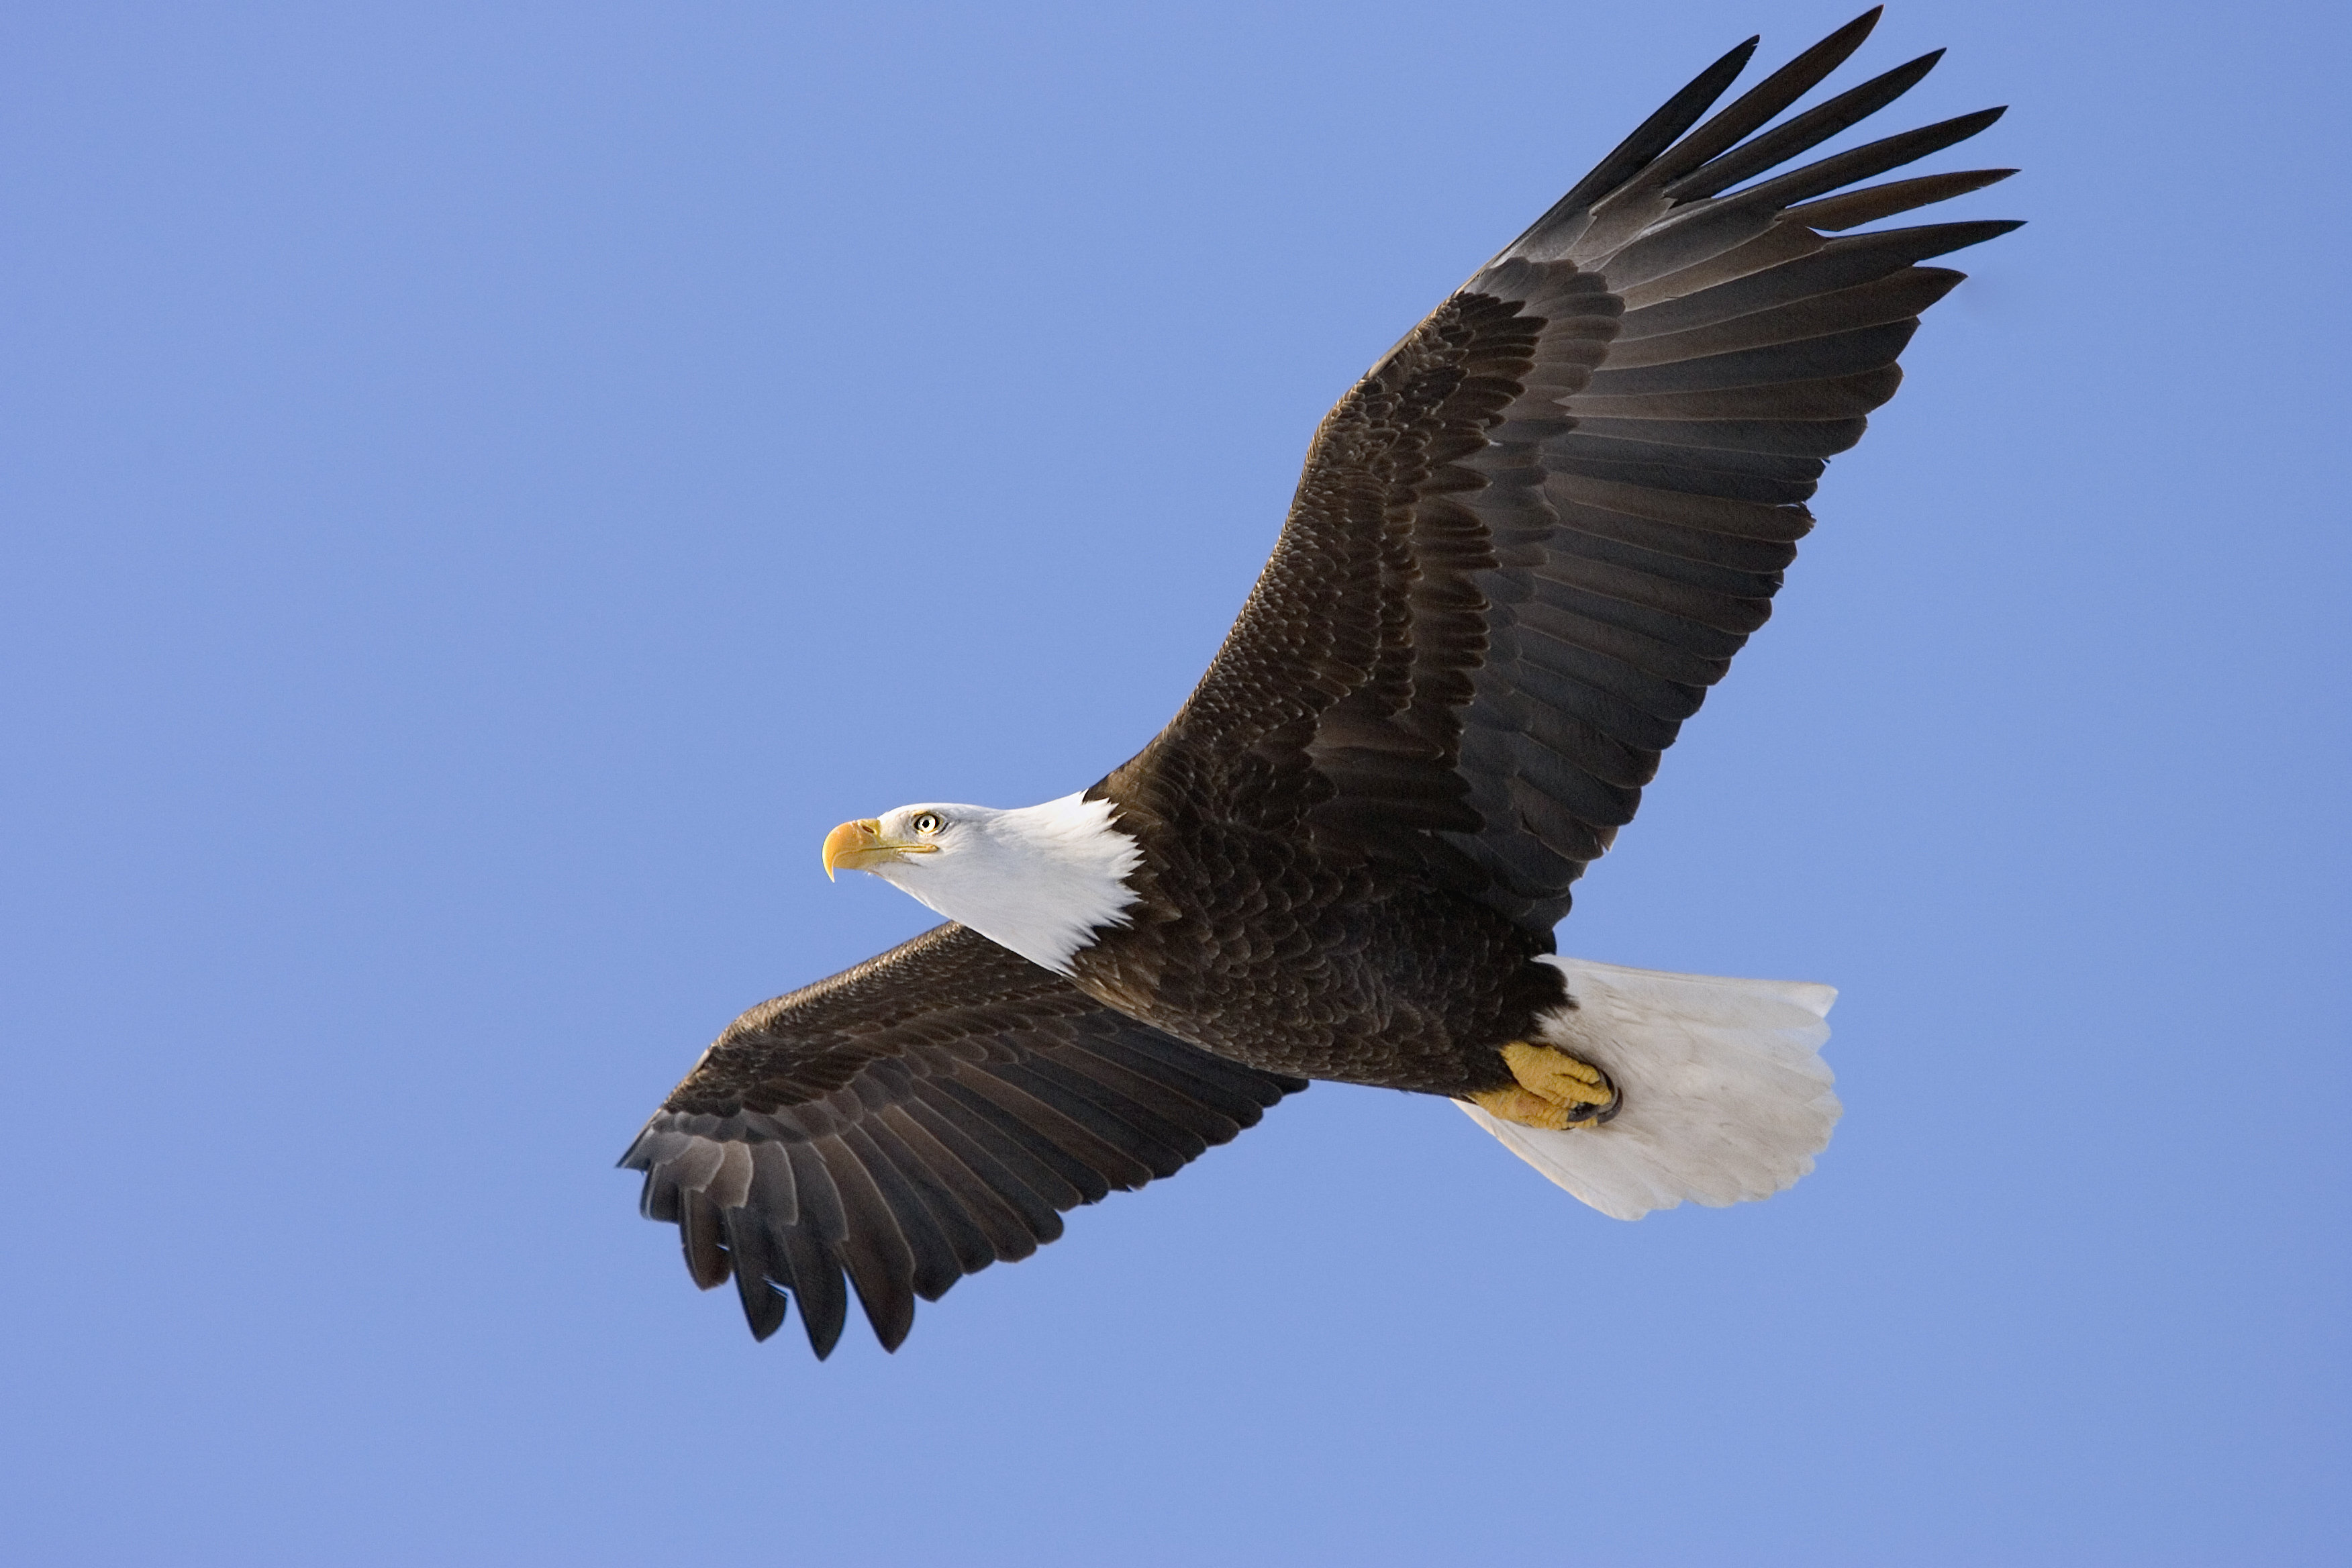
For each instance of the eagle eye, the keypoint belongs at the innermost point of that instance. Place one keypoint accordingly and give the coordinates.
(927, 822)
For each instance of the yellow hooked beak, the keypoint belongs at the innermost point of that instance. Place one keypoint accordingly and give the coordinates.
(860, 847)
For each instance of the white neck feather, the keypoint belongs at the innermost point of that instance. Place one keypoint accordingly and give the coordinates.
(1042, 879)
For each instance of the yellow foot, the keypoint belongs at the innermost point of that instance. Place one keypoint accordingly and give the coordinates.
(1555, 1091)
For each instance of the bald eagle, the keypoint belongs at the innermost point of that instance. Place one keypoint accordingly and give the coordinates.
(1523, 547)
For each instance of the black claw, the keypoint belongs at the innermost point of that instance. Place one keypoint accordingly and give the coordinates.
(1599, 1115)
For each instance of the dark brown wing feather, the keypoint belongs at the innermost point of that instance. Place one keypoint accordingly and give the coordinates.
(914, 1120)
(1529, 540)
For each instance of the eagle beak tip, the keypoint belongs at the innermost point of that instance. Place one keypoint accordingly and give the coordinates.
(846, 843)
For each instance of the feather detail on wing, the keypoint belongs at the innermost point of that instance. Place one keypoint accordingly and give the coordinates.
(914, 1120)
(1532, 537)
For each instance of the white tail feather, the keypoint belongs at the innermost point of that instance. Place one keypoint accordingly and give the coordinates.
(1726, 1097)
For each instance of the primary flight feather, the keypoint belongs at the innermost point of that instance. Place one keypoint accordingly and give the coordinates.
(1523, 547)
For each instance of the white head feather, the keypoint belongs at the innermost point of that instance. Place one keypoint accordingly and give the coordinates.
(1040, 879)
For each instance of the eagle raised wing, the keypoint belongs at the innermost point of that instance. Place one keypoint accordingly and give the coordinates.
(914, 1120)
(1534, 534)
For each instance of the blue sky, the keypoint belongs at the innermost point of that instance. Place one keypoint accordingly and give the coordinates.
(489, 485)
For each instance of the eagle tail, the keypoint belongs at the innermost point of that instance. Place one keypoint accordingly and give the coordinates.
(1725, 1094)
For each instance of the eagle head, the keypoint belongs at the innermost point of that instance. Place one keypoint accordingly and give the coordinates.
(1040, 879)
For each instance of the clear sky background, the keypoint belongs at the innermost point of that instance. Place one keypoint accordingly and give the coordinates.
(487, 487)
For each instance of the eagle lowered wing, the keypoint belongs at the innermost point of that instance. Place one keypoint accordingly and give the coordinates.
(1534, 534)
(914, 1120)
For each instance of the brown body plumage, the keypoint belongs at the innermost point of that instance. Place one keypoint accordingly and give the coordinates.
(1273, 953)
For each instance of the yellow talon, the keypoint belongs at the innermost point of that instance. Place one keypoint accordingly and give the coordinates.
(1556, 1075)
(1555, 1091)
